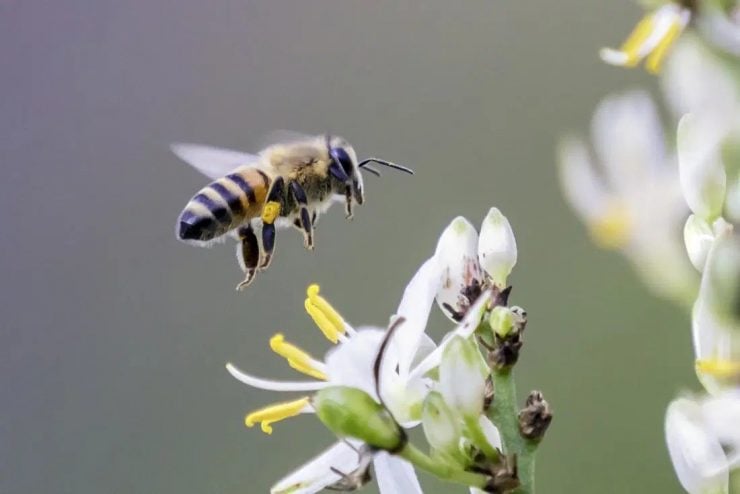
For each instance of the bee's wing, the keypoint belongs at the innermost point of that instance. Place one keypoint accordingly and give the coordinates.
(282, 136)
(211, 161)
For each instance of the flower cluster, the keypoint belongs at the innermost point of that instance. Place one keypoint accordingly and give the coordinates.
(640, 198)
(377, 383)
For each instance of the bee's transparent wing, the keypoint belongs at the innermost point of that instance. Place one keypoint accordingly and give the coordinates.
(282, 136)
(211, 161)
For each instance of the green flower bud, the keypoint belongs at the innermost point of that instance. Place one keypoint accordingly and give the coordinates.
(462, 377)
(722, 284)
(350, 412)
(501, 320)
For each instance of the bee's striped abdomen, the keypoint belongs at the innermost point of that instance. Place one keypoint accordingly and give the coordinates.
(223, 205)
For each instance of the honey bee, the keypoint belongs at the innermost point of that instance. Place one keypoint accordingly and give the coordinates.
(287, 184)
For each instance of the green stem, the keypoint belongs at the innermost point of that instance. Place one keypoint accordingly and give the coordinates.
(504, 413)
(444, 471)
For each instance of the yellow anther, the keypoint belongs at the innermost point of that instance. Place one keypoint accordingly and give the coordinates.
(637, 37)
(270, 212)
(324, 315)
(297, 358)
(719, 368)
(612, 229)
(654, 61)
(275, 413)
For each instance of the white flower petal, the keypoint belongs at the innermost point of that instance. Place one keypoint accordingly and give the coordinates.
(696, 82)
(351, 362)
(466, 328)
(315, 475)
(698, 237)
(497, 252)
(395, 475)
(698, 457)
(703, 178)
(415, 306)
(457, 254)
(722, 416)
(462, 378)
(583, 188)
(628, 138)
(491, 432)
(272, 385)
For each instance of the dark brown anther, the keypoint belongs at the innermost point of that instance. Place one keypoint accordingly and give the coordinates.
(535, 417)
(504, 477)
(488, 394)
(501, 297)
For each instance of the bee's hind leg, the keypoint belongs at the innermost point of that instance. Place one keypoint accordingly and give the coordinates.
(248, 254)
(270, 212)
(304, 223)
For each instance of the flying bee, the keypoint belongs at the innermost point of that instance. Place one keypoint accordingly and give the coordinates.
(287, 184)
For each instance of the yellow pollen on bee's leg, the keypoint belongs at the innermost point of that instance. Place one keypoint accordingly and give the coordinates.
(297, 358)
(637, 37)
(324, 315)
(654, 61)
(718, 368)
(275, 413)
(270, 212)
(612, 229)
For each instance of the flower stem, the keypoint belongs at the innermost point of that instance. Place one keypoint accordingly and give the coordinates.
(504, 413)
(444, 471)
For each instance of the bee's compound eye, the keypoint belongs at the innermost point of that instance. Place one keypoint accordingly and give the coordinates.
(342, 156)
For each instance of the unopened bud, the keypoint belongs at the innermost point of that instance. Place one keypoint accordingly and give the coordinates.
(350, 412)
(698, 237)
(497, 250)
(501, 321)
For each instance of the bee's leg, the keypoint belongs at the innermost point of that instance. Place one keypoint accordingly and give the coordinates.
(337, 172)
(270, 212)
(248, 254)
(305, 217)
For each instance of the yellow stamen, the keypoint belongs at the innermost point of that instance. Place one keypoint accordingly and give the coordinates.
(719, 368)
(631, 46)
(270, 212)
(612, 229)
(297, 358)
(654, 61)
(275, 413)
(323, 314)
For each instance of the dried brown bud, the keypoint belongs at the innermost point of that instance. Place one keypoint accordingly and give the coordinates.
(535, 417)
(504, 476)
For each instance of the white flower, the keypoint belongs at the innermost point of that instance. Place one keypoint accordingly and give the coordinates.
(409, 355)
(698, 237)
(697, 455)
(651, 39)
(630, 196)
(471, 263)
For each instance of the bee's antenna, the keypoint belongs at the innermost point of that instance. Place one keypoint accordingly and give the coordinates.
(363, 164)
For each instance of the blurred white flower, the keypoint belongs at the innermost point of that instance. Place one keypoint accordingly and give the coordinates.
(697, 453)
(651, 39)
(470, 262)
(699, 237)
(629, 196)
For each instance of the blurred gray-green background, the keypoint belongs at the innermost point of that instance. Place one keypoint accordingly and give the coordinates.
(113, 336)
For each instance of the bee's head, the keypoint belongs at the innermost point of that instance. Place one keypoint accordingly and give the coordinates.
(344, 155)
